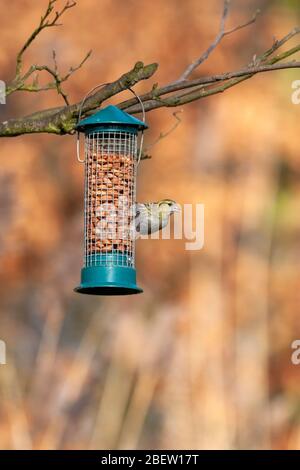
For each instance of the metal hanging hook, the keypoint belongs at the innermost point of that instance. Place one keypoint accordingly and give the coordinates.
(144, 119)
(79, 117)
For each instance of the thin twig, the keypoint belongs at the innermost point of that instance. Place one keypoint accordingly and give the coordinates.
(44, 23)
(163, 135)
(22, 84)
(221, 34)
(275, 46)
(19, 83)
(257, 65)
(199, 89)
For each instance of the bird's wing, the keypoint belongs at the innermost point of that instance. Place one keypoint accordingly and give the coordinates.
(141, 215)
(139, 208)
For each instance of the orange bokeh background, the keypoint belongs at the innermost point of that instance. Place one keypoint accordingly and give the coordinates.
(202, 359)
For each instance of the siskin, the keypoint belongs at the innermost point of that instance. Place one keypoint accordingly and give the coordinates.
(153, 216)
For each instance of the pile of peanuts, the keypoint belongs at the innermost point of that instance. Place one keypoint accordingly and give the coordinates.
(109, 199)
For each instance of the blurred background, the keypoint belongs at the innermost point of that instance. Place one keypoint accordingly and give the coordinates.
(202, 359)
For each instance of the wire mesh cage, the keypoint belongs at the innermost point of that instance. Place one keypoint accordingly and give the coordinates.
(111, 158)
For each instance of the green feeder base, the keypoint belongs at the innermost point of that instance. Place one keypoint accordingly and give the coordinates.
(108, 280)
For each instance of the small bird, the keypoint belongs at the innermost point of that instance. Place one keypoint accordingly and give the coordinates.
(153, 216)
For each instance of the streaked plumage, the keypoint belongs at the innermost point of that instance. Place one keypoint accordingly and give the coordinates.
(153, 216)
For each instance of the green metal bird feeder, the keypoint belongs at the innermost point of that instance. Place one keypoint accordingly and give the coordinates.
(111, 159)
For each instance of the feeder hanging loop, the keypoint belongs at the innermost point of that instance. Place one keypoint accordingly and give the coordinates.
(79, 118)
(80, 160)
(144, 119)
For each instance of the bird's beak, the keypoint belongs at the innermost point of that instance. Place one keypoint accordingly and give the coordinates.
(176, 208)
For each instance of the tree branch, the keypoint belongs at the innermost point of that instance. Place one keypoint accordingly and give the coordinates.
(221, 34)
(199, 90)
(44, 23)
(19, 83)
(162, 135)
(201, 87)
(276, 45)
(62, 120)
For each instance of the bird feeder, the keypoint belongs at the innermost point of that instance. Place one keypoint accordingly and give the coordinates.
(111, 159)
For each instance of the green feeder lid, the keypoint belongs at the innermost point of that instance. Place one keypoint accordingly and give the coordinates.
(111, 115)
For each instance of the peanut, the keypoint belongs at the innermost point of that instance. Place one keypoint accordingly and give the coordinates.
(110, 180)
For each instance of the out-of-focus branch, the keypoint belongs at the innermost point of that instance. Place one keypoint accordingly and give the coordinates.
(162, 135)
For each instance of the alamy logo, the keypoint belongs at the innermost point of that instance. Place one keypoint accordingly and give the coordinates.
(295, 357)
(2, 352)
(296, 94)
(2, 92)
(119, 222)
